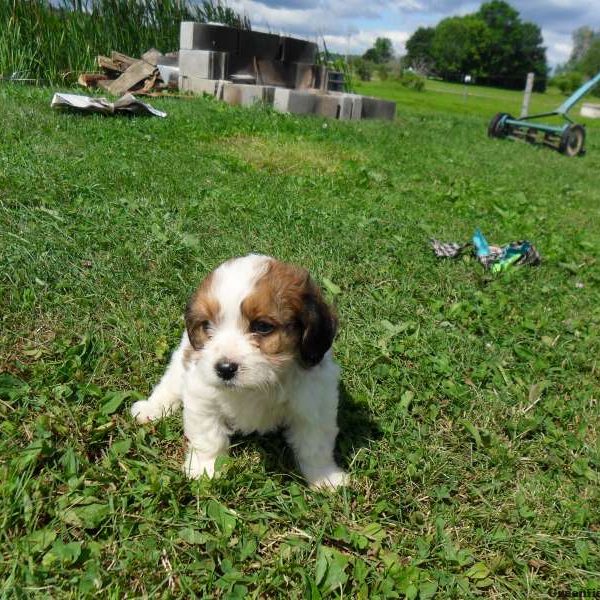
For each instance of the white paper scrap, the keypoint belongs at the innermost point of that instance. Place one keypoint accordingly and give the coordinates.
(126, 104)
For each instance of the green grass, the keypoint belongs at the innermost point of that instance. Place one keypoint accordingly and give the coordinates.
(440, 96)
(469, 411)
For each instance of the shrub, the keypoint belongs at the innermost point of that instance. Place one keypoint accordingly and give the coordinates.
(364, 69)
(411, 80)
(383, 71)
(567, 83)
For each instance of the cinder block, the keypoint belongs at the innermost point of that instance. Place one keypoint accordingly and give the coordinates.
(305, 76)
(241, 65)
(220, 87)
(263, 94)
(202, 36)
(375, 108)
(346, 102)
(350, 106)
(320, 77)
(336, 105)
(272, 72)
(260, 45)
(238, 94)
(298, 51)
(232, 94)
(327, 105)
(299, 102)
(197, 85)
(203, 64)
(290, 75)
(356, 107)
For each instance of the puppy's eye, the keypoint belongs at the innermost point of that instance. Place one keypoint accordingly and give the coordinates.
(206, 326)
(261, 327)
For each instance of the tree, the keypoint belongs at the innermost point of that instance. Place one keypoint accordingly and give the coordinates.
(515, 49)
(381, 52)
(502, 21)
(363, 68)
(418, 48)
(529, 56)
(492, 44)
(583, 38)
(584, 62)
(499, 15)
(459, 45)
(590, 63)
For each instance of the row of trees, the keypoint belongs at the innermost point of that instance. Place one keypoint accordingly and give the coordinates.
(492, 45)
(380, 59)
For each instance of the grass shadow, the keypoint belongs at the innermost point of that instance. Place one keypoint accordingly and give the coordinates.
(357, 429)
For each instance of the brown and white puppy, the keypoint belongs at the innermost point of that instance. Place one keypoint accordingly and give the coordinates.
(255, 356)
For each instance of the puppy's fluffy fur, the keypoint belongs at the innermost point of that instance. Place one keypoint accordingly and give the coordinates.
(255, 356)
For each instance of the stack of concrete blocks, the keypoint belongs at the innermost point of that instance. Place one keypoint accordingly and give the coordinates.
(336, 105)
(245, 67)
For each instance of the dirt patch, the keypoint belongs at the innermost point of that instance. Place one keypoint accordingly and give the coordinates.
(292, 156)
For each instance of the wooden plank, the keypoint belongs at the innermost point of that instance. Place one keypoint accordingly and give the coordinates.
(150, 82)
(137, 72)
(105, 84)
(90, 80)
(152, 56)
(107, 63)
(122, 59)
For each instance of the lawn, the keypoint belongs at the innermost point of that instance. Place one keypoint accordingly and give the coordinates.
(469, 402)
(473, 100)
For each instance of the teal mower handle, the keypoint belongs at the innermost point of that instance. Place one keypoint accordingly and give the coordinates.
(577, 95)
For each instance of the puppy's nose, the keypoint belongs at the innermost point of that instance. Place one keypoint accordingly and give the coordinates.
(226, 369)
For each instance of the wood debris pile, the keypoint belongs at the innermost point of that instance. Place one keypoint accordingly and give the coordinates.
(121, 73)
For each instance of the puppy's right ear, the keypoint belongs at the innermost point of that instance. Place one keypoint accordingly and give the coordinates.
(201, 314)
(195, 325)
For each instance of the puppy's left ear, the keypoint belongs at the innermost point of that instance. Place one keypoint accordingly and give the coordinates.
(319, 325)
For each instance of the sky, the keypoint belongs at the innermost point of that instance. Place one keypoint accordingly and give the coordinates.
(351, 26)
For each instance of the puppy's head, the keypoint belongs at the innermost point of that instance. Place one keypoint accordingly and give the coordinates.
(252, 318)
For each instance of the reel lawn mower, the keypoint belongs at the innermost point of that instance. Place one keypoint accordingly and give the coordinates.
(568, 139)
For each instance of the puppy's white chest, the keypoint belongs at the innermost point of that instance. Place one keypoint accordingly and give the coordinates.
(254, 411)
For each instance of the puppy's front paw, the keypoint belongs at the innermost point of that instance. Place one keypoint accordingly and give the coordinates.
(329, 479)
(197, 465)
(144, 411)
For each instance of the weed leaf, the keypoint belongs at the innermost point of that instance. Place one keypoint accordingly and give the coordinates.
(223, 518)
(472, 431)
(115, 399)
(65, 554)
(331, 567)
(192, 536)
(40, 539)
(478, 571)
